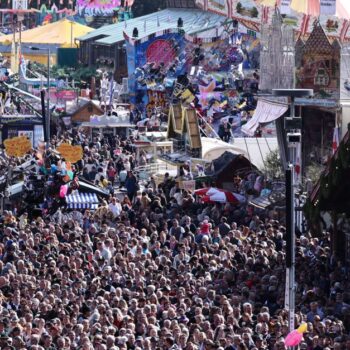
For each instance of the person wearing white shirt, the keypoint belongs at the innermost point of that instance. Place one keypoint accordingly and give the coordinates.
(115, 207)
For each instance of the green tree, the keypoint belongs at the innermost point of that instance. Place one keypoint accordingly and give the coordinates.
(239, 7)
(273, 165)
(314, 171)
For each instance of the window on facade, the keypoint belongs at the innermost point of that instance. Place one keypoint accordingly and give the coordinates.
(321, 77)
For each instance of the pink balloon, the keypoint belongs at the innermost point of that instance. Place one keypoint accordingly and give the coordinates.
(63, 191)
(293, 338)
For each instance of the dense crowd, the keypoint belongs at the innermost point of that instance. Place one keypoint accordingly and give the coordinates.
(156, 269)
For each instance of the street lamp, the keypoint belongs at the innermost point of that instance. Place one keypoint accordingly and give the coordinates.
(293, 126)
(48, 116)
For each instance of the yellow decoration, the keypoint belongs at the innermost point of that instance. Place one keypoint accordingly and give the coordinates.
(302, 328)
(17, 146)
(187, 96)
(70, 153)
(61, 33)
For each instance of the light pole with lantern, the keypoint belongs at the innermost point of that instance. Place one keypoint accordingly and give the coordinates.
(293, 126)
(48, 112)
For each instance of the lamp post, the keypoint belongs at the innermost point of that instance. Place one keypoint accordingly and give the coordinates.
(293, 126)
(48, 115)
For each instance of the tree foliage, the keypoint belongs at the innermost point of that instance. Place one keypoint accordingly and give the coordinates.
(273, 165)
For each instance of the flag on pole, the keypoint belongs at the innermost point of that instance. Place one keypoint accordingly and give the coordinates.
(344, 30)
(305, 24)
(335, 143)
(14, 58)
(111, 95)
(22, 65)
(265, 14)
(297, 165)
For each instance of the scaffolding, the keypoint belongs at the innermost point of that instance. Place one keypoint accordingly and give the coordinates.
(277, 56)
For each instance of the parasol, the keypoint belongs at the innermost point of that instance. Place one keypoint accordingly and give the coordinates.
(213, 194)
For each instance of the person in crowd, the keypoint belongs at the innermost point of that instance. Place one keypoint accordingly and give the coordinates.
(131, 185)
(158, 269)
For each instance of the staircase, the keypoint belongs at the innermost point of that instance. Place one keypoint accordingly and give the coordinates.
(208, 131)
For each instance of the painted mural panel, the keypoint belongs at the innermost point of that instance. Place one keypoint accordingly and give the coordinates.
(319, 66)
(220, 6)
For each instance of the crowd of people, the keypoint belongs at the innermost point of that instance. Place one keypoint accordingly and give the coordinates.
(156, 269)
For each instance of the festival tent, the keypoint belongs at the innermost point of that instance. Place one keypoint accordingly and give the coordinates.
(223, 169)
(213, 148)
(60, 34)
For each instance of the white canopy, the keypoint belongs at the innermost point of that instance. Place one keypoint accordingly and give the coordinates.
(265, 112)
(112, 121)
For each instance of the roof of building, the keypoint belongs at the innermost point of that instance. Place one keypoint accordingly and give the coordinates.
(62, 32)
(76, 106)
(194, 21)
(318, 42)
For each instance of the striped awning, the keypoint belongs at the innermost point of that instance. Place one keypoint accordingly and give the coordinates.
(82, 201)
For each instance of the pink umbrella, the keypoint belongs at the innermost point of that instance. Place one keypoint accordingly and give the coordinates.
(293, 338)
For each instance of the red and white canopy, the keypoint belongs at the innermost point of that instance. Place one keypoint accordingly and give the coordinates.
(213, 194)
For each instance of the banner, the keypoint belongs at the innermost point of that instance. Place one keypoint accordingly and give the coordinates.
(285, 7)
(70, 153)
(328, 7)
(17, 146)
(68, 95)
(19, 4)
(345, 72)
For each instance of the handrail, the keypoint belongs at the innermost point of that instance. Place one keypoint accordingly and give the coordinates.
(207, 124)
(152, 168)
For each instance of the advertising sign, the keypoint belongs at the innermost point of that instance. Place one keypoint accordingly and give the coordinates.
(67, 95)
(70, 153)
(17, 146)
(219, 6)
